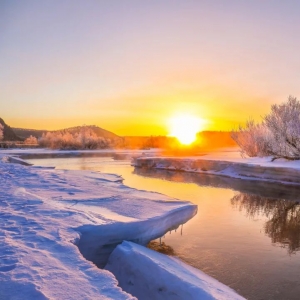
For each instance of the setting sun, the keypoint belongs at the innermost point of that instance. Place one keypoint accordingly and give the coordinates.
(185, 128)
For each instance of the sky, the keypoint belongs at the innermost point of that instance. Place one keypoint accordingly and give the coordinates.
(128, 65)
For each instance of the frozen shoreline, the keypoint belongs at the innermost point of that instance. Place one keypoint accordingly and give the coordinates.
(49, 216)
(54, 224)
(228, 164)
(45, 214)
(150, 275)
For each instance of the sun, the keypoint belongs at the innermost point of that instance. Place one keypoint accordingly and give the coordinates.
(185, 128)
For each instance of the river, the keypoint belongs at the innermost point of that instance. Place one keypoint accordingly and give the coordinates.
(246, 234)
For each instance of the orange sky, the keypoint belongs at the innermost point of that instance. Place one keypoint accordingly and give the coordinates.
(130, 67)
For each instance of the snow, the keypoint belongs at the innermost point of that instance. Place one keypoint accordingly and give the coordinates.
(228, 163)
(235, 156)
(51, 220)
(17, 160)
(147, 274)
(42, 151)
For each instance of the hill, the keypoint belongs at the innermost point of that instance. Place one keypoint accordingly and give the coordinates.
(8, 133)
(81, 137)
(100, 132)
(25, 133)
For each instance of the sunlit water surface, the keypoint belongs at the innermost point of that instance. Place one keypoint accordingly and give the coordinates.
(246, 234)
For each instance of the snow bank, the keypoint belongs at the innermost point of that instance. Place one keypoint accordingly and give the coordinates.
(43, 151)
(228, 164)
(147, 274)
(44, 213)
(18, 160)
(103, 239)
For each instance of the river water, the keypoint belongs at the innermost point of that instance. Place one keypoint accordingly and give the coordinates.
(246, 234)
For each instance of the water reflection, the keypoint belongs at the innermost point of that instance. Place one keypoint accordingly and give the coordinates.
(283, 226)
(279, 203)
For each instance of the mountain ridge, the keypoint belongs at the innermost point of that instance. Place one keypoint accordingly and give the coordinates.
(101, 132)
(8, 133)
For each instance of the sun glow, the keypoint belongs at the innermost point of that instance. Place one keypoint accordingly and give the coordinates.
(185, 128)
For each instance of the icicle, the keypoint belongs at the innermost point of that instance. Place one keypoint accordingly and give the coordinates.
(160, 241)
(181, 228)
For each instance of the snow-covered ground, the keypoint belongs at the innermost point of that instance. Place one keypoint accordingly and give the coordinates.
(228, 163)
(48, 216)
(235, 156)
(149, 275)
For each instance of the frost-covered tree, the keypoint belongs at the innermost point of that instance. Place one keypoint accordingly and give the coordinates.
(1, 131)
(83, 138)
(283, 123)
(31, 140)
(278, 134)
(250, 138)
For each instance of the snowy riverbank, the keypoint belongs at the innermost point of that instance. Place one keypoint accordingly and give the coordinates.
(230, 164)
(150, 275)
(40, 152)
(57, 226)
(47, 215)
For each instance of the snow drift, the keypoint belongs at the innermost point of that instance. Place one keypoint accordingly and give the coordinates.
(147, 274)
(97, 242)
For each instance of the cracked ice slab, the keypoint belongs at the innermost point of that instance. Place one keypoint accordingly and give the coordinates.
(44, 213)
(149, 275)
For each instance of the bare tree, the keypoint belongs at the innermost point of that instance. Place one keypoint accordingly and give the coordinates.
(250, 138)
(283, 122)
(278, 134)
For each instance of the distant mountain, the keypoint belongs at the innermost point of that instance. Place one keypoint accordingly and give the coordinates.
(25, 133)
(100, 132)
(8, 133)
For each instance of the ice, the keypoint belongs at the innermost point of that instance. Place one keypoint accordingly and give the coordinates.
(48, 216)
(147, 274)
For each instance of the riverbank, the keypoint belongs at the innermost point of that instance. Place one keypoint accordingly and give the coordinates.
(54, 224)
(230, 164)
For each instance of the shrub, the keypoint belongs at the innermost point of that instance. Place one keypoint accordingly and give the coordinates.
(31, 140)
(250, 138)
